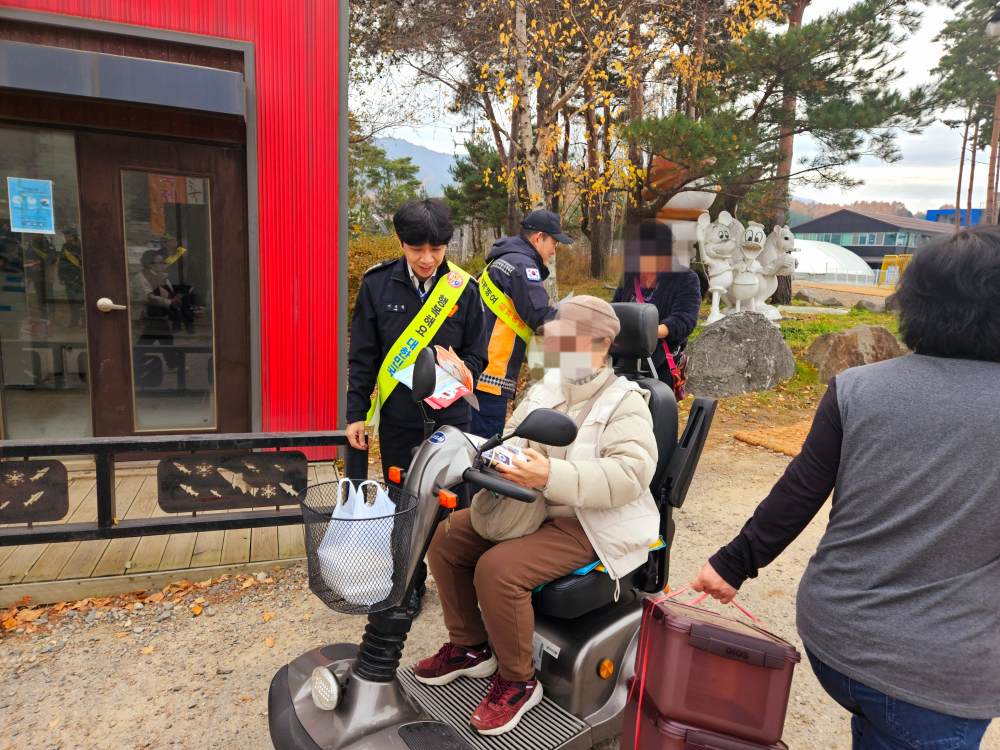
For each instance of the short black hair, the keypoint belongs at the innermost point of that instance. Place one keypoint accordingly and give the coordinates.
(949, 296)
(527, 234)
(419, 221)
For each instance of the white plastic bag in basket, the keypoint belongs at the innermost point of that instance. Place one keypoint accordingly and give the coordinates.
(356, 555)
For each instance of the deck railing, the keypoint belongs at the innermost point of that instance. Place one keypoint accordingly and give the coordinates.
(15, 485)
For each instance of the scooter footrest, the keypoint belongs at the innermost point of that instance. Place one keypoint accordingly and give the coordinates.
(545, 727)
(431, 735)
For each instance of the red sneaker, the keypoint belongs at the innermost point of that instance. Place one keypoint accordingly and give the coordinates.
(453, 661)
(504, 705)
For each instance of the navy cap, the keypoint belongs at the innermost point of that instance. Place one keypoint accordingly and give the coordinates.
(548, 222)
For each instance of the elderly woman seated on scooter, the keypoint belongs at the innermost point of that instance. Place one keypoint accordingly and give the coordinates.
(593, 502)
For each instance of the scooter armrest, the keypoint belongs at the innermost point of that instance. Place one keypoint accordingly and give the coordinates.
(499, 485)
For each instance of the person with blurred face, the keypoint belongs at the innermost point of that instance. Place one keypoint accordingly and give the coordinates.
(394, 296)
(653, 275)
(593, 503)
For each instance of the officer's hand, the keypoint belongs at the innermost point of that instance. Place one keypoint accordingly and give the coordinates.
(712, 583)
(356, 435)
(530, 474)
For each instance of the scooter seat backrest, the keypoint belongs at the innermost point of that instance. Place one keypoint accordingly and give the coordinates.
(635, 343)
(663, 408)
(637, 337)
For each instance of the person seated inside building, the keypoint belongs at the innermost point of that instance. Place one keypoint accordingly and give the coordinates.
(653, 274)
(593, 502)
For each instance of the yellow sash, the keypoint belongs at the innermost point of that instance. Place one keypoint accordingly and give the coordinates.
(417, 335)
(502, 307)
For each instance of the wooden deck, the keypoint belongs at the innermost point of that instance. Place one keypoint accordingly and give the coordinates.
(74, 570)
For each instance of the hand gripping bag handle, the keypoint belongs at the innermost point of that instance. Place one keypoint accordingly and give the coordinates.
(644, 632)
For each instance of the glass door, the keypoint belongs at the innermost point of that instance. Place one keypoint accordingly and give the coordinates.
(168, 244)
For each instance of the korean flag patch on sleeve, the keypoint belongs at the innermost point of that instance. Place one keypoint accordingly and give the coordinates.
(533, 274)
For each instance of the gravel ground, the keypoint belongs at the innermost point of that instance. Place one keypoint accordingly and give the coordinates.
(163, 677)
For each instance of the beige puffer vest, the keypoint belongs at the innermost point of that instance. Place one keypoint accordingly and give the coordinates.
(621, 535)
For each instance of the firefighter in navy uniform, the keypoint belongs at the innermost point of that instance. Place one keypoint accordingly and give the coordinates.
(404, 305)
(516, 306)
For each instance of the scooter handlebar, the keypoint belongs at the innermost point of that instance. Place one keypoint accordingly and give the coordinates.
(499, 485)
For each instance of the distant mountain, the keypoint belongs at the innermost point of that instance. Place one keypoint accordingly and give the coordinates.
(433, 164)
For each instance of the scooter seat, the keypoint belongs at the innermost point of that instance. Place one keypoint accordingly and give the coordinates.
(571, 596)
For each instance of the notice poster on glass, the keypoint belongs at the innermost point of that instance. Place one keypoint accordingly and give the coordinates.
(31, 206)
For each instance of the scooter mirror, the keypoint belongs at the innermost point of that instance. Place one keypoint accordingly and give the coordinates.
(548, 427)
(424, 375)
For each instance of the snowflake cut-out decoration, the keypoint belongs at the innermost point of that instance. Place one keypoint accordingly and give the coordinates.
(203, 470)
(269, 491)
(14, 478)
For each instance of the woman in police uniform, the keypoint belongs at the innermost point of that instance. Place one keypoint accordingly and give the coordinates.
(396, 297)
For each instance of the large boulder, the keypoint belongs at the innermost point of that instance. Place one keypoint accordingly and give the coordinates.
(869, 306)
(808, 295)
(832, 353)
(743, 352)
(892, 304)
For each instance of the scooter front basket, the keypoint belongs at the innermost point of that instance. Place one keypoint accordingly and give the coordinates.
(357, 565)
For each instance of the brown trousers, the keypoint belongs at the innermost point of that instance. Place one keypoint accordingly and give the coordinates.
(474, 574)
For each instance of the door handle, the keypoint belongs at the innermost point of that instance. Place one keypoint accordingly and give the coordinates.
(106, 305)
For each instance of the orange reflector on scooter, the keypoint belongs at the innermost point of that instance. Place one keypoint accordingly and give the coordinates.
(448, 499)
(606, 669)
(395, 474)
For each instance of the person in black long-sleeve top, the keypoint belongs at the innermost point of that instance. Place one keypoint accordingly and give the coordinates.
(653, 275)
(391, 295)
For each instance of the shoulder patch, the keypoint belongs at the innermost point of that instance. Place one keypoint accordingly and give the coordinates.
(502, 266)
(533, 274)
(379, 265)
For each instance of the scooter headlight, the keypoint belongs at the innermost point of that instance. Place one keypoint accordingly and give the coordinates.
(325, 689)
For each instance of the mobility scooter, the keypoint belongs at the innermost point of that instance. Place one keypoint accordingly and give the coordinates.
(344, 696)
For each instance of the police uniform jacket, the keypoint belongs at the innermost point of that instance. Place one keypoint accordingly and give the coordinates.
(517, 270)
(387, 302)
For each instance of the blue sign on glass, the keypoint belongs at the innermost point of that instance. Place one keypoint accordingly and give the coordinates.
(31, 206)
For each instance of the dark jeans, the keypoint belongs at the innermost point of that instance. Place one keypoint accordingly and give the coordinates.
(491, 417)
(397, 444)
(881, 722)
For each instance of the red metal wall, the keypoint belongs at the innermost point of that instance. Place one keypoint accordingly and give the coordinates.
(297, 80)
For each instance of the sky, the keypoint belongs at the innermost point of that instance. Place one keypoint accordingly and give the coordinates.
(925, 178)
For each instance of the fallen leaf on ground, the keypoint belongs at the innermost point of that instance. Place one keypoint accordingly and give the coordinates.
(305, 617)
(29, 629)
(23, 600)
(268, 580)
(29, 615)
(205, 584)
(247, 584)
(200, 600)
(120, 635)
(268, 616)
(148, 649)
(8, 624)
(277, 568)
(245, 698)
(269, 642)
(155, 598)
(53, 722)
(196, 609)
